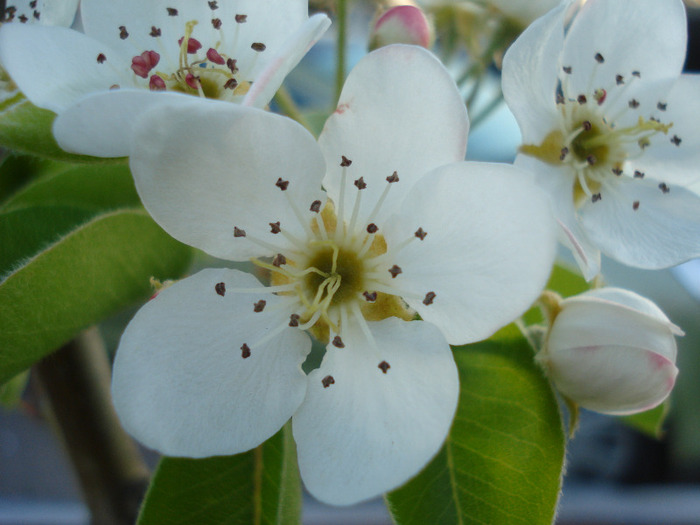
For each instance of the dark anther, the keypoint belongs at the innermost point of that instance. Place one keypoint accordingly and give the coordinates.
(634, 103)
(360, 183)
(384, 366)
(394, 271)
(216, 23)
(564, 152)
(238, 232)
(275, 227)
(636, 74)
(37, 15)
(600, 95)
(394, 177)
(245, 351)
(155, 31)
(241, 19)
(258, 46)
(338, 342)
(315, 206)
(294, 320)
(596, 197)
(220, 288)
(372, 228)
(231, 83)
(582, 99)
(617, 171)
(662, 106)
(259, 306)
(33, 3)
(171, 11)
(599, 58)
(591, 160)
(635, 205)
(560, 99)
(231, 64)
(587, 126)
(421, 233)
(370, 297)
(282, 184)
(676, 140)
(123, 33)
(213, 5)
(327, 381)
(664, 187)
(344, 161)
(619, 79)
(638, 174)
(567, 69)
(429, 297)
(101, 58)
(23, 18)
(279, 260)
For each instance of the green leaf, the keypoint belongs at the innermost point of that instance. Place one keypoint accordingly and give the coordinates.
(502, 461)
(88, 274)
(650, 422)
(95, 187)
(25, 128)
(260, 487)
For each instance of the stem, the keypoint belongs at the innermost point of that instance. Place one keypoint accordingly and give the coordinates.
(286, 103)
(341, 24)
(110, 468)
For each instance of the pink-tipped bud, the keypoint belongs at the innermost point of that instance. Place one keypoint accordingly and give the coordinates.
(403, 24)
(142, 64)
(612, 351)
(193, 45)
(214, 56)
(156, 83)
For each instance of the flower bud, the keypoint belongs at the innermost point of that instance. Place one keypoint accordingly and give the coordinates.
(403, 24)
(612, 351)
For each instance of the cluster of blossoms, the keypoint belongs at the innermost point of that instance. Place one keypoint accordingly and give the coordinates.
(378, 241)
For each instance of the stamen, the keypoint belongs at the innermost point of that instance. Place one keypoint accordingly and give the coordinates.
(259, 306)
(384, 366)
(338, 342)
(429, 298)
(394, 271)
(245, 351)
(327, 381)
(220, 288)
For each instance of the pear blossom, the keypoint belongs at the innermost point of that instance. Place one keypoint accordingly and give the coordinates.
(232, 50)
(612, 351)
(609, 127)
(352, 237)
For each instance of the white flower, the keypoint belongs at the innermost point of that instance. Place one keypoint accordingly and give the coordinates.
(612, 351)
(44, 12)
(233, 50)
(212, 365)
(610, 128)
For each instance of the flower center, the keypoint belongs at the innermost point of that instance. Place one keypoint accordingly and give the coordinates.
(338, 275)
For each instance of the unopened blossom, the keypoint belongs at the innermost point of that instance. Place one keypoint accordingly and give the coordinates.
(402, 24)
(609, 128)
(404, 227)
(612, 351)
(232, 50)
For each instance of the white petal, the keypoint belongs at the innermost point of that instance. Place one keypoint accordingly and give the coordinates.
(204, 167)
(55, 66)
(664, 159)
(49, 13)
(268, 80)
(647, 36)
(488, 251)
(663, 230)
(558, 182)
(399, 111)
(102, 124)
(617, 379)
(181, 384)
(370, 431)
(530, 69)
